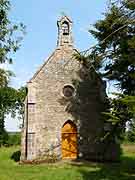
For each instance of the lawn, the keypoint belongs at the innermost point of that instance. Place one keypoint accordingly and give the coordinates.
(10, 170)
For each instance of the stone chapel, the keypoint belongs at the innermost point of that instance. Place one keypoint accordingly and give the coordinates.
(61, 119)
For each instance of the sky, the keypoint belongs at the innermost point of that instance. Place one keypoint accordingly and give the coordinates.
(40, 18)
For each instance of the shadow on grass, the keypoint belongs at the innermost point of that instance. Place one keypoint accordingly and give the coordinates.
(125, 170)
(16, 156)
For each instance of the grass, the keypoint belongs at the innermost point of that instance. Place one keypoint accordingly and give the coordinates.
(10, 170)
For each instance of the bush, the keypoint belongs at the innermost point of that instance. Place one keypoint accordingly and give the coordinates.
(16, 156)
(14, 139)
(3, 138)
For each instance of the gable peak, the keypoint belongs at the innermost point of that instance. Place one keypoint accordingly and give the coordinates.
(65, 18)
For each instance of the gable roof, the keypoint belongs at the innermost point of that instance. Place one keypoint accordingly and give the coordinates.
(40, 68)
(65, 17)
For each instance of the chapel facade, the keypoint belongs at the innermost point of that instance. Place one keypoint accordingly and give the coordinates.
(63, 107)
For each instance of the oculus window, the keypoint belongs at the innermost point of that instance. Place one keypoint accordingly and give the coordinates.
(68, 91)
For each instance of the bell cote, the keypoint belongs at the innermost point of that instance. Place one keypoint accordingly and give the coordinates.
(64, 32)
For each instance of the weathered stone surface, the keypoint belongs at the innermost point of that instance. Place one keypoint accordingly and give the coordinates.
(47, 109)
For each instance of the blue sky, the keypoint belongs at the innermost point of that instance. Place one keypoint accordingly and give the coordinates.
(40, 18)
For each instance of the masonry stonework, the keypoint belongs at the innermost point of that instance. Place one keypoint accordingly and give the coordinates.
(47, 109)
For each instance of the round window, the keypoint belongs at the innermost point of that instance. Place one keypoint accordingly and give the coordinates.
(68, 91)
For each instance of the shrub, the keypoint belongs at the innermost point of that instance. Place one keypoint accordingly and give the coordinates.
(16, 156)
(14, 139)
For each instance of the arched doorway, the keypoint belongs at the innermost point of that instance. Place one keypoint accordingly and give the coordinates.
(69, 140)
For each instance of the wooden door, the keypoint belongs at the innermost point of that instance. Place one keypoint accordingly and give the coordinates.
(69, 141)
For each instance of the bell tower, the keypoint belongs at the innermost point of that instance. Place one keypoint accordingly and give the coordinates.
(64, 32)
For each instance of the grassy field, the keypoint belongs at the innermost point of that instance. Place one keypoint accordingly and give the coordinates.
(10, 170)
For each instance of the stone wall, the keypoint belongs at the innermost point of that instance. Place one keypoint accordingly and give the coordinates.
(48, 109)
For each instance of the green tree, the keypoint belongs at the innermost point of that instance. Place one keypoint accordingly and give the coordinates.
(8, 43)
(10, 38)
(7, 103)
(116, 44)
(113, 57)
(11, 101)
